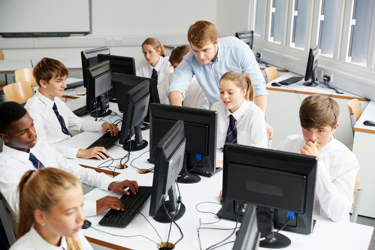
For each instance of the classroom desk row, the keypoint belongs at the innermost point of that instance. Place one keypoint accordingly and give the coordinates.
(201, 196)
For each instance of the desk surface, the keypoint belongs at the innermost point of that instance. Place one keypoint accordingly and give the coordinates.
(301, 89)
(9, 66)
(71, 63)
(368, 114)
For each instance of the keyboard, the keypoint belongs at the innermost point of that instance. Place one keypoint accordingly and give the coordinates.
(81, 111)
(105, 140)
(74, 85)
(132, 205)
(291, 80)
(205, 173)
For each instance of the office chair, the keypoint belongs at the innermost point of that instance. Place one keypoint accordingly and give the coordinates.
(246, 37)
(355, 112)
(271, 73)
(356, 200)
(18, 92)
(6, 222)
(26, 75)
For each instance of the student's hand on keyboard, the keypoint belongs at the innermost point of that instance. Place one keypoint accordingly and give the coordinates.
(119, 187)
(96, 152)
(108, 202)
(219, 164)
(113, 129)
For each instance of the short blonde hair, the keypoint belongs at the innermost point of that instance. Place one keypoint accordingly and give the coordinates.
(202, 33)
(242, 81)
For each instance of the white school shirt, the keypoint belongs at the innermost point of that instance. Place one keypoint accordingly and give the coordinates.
(194, 96)
(163, 68)
(250, 124)
(14, 163)
(336, 176)
(33, 241)
(48, 127)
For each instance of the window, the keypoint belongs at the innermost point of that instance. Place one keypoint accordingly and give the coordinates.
(328, 16)
(299, 23)
(360, 31)
(258, 17)
(276, 20)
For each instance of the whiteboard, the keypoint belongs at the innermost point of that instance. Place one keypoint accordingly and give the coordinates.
(36, 16)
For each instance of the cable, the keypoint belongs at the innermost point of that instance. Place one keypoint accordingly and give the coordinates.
(148, 170)
(196, 164)
(161, 240)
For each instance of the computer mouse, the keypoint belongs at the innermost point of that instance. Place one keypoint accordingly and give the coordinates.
(276, 84)
(369, 123)
(86, 224)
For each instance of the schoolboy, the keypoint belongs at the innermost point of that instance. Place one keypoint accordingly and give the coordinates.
(23, 152)
(53, 119)
(337, 165)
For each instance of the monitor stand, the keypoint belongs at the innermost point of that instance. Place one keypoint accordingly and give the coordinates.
(102, 110)
(186, 177)
(312, 83)
(138, 143)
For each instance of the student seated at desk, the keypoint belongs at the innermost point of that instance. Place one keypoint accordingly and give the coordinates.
(194, 96)
(156, 64)
(51, 213)
(23, 152)
(53, 119)
(239, 120)
(337, 165)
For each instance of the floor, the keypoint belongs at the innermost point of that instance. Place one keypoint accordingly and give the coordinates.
(368, 222)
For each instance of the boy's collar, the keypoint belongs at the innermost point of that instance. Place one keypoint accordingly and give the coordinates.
(45, 100)
(325, 150)
(16, 154)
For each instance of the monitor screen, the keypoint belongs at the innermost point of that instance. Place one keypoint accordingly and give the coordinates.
(246, 37)
(169, 161)
(90, 58)
(312, 64)
(248, 235)
(119, 64)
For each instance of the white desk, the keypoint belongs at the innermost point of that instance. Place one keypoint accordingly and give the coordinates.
(363, 147)
(71, 63)
(9, 66)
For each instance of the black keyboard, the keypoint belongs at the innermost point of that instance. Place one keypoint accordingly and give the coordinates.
(74, 85)
(105, 140)
(132, 205)
(81, 111)
(205, 173)
(291, 80)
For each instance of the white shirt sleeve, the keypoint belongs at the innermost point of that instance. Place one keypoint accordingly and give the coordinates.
(163, 88)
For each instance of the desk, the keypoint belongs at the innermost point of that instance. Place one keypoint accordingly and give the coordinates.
(9, 66)
(71, 63)
(363, 148)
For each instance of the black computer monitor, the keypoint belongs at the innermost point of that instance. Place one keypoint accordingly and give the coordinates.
(135, 109)
(200, 133)
(248, 235)
(169, 160)
(276, 182)
(312, 64)
(90, 58)
(97, 89)
(119, 64)
(246, 37)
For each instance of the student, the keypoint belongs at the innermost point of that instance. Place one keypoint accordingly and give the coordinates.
(239, 120)
(156, 64)
(22, 152)
(337, 165)
(53, 118)
(51, 213)
(195, 97)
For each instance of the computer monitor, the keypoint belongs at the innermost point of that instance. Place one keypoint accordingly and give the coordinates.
(98, 87)
(312, 64)
(119, 64)
(200, 132)
(135, 109)
(276, 182)
(169, 160)
(248, 235)
(246, 37)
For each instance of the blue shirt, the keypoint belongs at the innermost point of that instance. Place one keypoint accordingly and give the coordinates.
(233, 55)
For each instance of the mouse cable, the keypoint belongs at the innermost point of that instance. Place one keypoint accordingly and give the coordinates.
(161, 240)
(131, 163)
(109, 165)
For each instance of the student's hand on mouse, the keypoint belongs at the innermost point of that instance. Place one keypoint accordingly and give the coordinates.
(219, 164)
(95, 152)
(269, 131)
(221, 195)
(113, 129)
(310, 149)
(118, 187)
(108, 202)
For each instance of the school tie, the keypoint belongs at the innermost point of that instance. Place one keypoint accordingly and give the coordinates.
(61, 120)
(37, 164)
(232, 131)
(155, 75)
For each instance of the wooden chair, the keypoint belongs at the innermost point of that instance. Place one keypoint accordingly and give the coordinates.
(356, 200)
(18, 92)
(1, 55)
(6, 222)
(26, 75)
(355, 112)
(271, 73)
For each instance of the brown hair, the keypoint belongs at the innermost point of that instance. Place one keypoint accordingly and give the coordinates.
(242, 81)
(178, 53)
(43, 191)
(156, 44)
(318, 111)
(201, 33)
(48, 68)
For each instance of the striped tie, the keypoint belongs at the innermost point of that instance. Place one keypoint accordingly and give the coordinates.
(232, 131)
(37, 164)
(155, 75)
(64, 129)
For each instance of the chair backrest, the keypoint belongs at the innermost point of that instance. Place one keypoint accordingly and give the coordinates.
(1, 55)
(356, 187)
(271, 73)
(18, 92)
(355, 108)
(26, 75)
